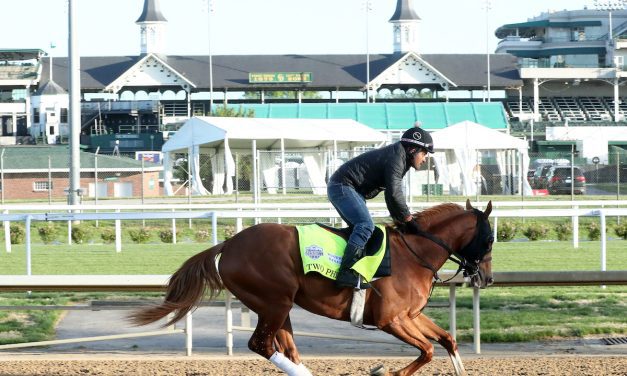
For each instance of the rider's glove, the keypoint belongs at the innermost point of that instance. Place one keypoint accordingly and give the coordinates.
(412, 227)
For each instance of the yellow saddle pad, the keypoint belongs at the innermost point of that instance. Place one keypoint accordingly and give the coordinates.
(322, 251)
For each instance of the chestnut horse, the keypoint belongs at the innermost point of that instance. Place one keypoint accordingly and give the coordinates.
(262, 267)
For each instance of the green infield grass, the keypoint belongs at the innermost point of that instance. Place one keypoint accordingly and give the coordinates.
(507, 314)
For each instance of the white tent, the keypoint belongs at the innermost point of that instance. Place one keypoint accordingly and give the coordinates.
(458, 152)
(222, 135)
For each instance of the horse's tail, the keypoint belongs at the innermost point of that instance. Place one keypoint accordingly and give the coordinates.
(185, 289)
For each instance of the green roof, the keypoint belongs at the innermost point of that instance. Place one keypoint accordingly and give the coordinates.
(389, 116)
(33, 158)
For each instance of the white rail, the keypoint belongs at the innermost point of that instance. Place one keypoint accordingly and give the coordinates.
(278, 213)
(158, 283)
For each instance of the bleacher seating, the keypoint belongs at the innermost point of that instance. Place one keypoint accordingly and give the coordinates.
(12, 72)
(569, 109)
(520, 109)
(576, 109)
(595, 109)
(622, 106)
(548, 110)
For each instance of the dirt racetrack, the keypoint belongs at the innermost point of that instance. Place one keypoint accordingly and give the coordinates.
(244, 366)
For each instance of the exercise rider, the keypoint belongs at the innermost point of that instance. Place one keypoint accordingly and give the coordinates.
(362, 178)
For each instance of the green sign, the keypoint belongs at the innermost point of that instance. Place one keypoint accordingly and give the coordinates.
(279, 77)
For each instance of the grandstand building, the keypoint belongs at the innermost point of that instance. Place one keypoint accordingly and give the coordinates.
(572, 64)
(136, 96)
(564, 66)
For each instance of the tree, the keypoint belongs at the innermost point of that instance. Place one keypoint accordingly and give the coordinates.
(225, 111)
(410, 93)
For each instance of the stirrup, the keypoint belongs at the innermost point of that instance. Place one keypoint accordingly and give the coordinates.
(347, 278)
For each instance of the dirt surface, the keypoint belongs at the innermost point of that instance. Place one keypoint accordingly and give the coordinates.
(164, 354)
(214, 366)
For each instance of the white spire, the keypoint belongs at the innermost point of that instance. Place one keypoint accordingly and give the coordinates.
(152, 28)
(405, 22)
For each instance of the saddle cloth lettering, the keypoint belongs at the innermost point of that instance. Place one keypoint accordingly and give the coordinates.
(322, 248)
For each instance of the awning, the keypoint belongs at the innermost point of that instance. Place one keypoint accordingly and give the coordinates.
(535, 53)
(20, 54)
(527, 29)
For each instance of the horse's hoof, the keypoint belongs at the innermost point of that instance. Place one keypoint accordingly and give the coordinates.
(378, 371)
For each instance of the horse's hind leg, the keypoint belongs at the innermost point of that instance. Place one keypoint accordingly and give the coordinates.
(269, 323)
(434, 332)
(284, 343)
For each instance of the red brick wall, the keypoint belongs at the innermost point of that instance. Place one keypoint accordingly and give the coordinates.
(21, 186)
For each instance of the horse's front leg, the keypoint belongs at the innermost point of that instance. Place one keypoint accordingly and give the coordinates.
(434, 332)
(403, 328)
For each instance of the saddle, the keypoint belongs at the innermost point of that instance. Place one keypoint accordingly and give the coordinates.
(372, 246)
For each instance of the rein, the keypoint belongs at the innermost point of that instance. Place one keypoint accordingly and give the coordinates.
(425, 264)
(460, 261)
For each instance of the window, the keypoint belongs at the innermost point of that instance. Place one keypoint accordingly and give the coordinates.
(41, 186)
(579, 33)
(35, 115)
(64, 115)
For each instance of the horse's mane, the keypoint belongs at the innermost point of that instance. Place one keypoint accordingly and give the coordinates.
(434, 214)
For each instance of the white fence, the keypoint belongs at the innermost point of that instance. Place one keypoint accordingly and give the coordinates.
(68, 213)
(158, 282)
(239, 212)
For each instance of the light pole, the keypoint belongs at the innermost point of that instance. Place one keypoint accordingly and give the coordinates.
(75, 106)
(609, 6)
(52, 46)
(209, 11)
(487, 7)
(368, 6)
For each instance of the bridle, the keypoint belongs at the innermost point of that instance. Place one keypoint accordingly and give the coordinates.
(470, 267)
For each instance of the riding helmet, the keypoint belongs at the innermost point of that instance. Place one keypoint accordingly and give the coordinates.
(416, 136)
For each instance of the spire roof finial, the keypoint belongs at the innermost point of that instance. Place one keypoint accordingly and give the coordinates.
(404, 11)
(151, 12)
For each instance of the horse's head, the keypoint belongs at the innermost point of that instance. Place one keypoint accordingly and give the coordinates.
(477, 255)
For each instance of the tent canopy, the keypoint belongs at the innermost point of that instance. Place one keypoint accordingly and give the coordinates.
(469, 135)
(220, 135)
(457, 158)
(210, 132)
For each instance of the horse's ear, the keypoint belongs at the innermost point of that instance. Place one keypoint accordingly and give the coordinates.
(488, 210)
(468, 206)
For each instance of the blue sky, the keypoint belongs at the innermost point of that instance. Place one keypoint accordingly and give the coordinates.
(107, 27)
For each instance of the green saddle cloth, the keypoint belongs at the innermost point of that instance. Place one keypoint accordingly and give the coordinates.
(322, 251)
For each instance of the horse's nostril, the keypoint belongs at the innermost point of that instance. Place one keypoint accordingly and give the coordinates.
(490, 281)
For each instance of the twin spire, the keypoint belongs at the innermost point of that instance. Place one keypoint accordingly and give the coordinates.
(405, 23)
(152, 25)
(152, 28)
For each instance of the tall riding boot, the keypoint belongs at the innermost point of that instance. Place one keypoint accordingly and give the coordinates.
(345, 276)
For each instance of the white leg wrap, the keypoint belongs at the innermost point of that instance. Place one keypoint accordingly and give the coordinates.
(303, 370)
(461, 365)
(287, 366)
